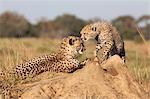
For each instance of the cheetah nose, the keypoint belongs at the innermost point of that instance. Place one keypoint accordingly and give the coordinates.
(83, 49)
(85, 39)
(80, 35)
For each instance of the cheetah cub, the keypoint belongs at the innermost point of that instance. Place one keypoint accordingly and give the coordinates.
(62, 61)
(108, 39)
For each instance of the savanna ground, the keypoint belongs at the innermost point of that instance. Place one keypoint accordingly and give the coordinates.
(15, 51)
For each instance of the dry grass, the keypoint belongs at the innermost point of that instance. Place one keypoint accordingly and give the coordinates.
(16, 51)
(138, 59)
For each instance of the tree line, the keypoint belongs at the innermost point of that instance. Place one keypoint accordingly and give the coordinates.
(13, 24)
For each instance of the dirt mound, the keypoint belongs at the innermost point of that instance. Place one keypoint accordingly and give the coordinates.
(112, 80)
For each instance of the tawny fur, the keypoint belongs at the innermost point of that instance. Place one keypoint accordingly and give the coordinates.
(109, 40)
(61, 61)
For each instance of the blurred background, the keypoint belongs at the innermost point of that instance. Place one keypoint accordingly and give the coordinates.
(59, 18)
(29, 28)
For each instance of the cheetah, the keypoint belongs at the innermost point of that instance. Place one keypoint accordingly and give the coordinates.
(108, 39)
(62, 61)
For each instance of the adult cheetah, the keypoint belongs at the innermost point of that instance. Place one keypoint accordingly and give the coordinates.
(108, 39)
(61, 61)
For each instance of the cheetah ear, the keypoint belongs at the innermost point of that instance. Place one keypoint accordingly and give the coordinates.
(71, 41)
(94, 29)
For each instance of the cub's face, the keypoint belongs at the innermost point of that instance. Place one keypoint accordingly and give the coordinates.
(74, 45)
(88, 32)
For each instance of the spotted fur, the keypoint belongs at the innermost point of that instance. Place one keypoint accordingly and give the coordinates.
(108, 39)
(62, 61)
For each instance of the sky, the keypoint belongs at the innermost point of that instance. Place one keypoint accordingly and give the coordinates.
(85, 9)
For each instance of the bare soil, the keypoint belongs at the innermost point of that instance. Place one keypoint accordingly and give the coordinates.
(111, 80)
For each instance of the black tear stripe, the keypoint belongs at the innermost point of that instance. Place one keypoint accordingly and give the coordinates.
(96, 38)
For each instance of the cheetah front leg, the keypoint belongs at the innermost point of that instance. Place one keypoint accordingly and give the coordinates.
(73, 65)
(83, 63)
(98, 47)
(105, 46)
(68, 66)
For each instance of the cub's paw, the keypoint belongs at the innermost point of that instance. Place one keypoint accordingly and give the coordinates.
(83, 63)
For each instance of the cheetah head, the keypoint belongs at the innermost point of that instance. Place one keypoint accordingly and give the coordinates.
(93, 30)
(89, 32)
(73, 45)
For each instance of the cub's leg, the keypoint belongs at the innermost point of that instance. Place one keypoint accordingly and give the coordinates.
(105, 47)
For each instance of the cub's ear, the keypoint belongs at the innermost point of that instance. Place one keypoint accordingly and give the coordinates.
(71, 41)
(93, 28)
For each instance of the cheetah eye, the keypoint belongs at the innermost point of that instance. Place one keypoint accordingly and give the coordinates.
(71, 41)
(93, 28)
